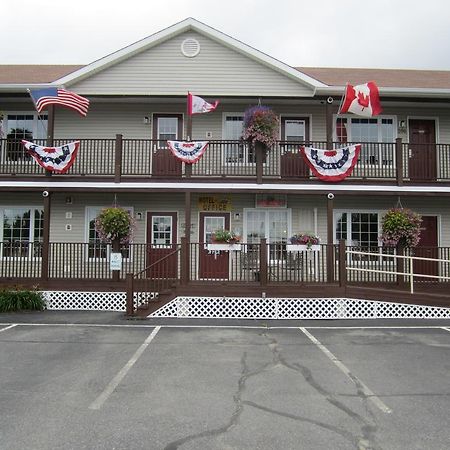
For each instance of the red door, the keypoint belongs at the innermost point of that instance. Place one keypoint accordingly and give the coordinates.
(161, 241)
(213, 264)
(166, 127)
(422, 150)
(296, 131)
(427, 248)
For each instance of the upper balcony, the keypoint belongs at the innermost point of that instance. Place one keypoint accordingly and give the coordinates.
(135, 159)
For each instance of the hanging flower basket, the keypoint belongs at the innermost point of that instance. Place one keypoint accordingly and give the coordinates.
(303, 242)
(115, 224)
(401, 226)
(262, 125)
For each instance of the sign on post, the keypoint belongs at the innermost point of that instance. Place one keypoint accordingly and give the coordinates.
(115, 261)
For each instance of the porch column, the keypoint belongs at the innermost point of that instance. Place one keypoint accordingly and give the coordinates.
(50, 131)
(329, 121)
(118, 158)
(259, 152)
(399, 161)
(46, 236)
(188, 167)
(186, 250)
(330, 235)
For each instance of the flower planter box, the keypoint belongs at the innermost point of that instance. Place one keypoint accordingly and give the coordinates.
(302, 248)
(223, 247)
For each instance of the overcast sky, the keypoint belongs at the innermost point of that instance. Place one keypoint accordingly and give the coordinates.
(408, 34)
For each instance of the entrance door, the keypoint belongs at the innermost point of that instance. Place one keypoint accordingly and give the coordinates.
(166, 127)
(422, 150)
(161, 241)
(427, 248)
(213, 265)
(295, 130)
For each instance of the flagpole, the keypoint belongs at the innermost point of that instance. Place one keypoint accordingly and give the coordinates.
(188, 167)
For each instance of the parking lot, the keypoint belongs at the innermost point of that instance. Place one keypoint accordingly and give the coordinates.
(116, 384)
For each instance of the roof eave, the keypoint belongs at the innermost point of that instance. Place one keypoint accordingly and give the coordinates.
(392, 91)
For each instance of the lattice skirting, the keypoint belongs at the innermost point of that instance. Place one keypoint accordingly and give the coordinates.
(92, 301)
(291, 308)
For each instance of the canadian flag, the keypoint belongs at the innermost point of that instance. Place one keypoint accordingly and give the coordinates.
(362, 100)
(196, 105)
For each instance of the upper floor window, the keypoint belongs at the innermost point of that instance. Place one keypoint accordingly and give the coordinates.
(167, 127)
(372, 133)
(237, 151)
(18, 126)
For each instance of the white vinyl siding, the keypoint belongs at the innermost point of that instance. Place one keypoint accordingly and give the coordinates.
(217, 69)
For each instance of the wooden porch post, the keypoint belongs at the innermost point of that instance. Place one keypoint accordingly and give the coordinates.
(400, 265)
(186, 250)
(118, 158)
(329, 122)
(116, 249)
(342, 264)
(259, 151)
(46, 236)
(188, 167)
(130, 294)
(263, 262)
(399, 161)
(184, 269)
(50, 131)
(330, 235)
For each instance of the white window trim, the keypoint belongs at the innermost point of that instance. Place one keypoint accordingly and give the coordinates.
(86, 233)
(36, 116)
(289, 221)
(292, 115)
(171, 232)
(31, 240)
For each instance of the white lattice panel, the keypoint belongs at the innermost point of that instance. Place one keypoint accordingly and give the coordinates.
(93, 301)
(291, 308)
(85, 301)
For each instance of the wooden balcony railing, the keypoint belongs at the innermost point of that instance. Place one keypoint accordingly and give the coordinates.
(119, 158)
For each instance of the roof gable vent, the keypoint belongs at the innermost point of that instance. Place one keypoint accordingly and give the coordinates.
(190, 47)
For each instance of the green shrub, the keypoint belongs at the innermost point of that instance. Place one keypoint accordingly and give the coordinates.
(20, 300)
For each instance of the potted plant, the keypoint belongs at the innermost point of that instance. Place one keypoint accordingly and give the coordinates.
(303, 241)
(261, 125)
(401, 227)
(224, 240)
(115, 225)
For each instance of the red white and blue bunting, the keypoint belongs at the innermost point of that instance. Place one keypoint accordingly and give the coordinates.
(188, 152)
(53, 159)
(331, 165)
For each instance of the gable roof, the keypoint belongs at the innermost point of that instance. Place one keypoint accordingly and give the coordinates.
(189, 24)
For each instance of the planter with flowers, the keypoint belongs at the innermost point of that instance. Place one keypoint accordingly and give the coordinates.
(301, 242)
(261, 126)
(401, 228)
(224, 240)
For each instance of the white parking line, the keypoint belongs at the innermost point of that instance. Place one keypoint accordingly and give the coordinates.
(446, 329)
(367, 392)
(98, 402)
(8, 328)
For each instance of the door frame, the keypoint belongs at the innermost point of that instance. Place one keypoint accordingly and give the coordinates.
(438, 240)
(434, 119)
(201, 233)
(308, 125)
(154, 122)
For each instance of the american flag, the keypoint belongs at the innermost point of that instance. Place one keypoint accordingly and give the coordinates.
(55, 96)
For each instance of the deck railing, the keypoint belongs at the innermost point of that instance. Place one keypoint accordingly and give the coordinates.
(135, 158)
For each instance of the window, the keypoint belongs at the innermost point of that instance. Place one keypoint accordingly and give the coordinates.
(167, 127)
(22, 232)
(161, 230)
(236, 152)
(96, 248)
(359, 229)
(370, 131)
(273, 224)
(29, 126)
